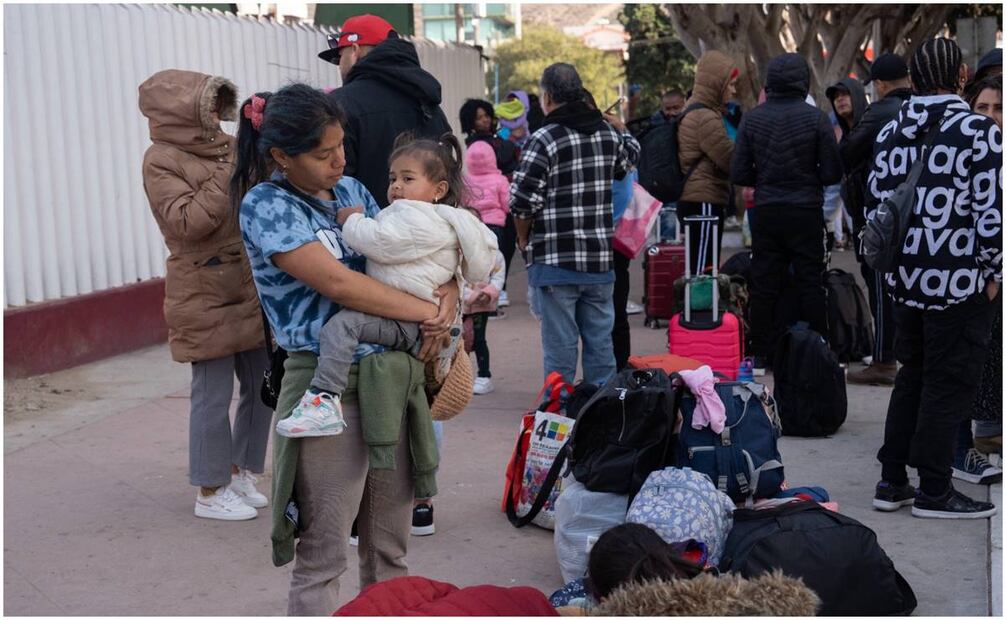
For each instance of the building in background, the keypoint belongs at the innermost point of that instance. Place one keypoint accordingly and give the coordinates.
(484, 24)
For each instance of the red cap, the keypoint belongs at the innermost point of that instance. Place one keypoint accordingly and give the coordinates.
(358, 30)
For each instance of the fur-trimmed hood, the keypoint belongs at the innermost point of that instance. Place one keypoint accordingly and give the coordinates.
(772, 594)
(179, 105)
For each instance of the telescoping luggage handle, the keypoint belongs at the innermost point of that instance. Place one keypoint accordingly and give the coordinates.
(715, 222)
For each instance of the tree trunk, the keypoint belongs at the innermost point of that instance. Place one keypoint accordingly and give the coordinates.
(831, 37)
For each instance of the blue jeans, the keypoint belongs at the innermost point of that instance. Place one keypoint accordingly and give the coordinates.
(570, 313)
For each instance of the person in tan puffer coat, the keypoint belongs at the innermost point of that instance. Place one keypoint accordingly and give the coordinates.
(704, 144)
(211, 305)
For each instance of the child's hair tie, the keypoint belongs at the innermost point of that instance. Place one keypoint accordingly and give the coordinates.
(255, 111)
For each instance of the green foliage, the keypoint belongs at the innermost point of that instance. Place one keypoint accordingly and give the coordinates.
(522, 61)
(657, 60)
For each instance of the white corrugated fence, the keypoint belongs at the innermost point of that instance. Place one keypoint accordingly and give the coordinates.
(76, 219)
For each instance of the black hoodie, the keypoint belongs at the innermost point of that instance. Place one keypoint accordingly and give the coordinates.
(785, 148)
(954, 242)
(854, 183)
(386, 93)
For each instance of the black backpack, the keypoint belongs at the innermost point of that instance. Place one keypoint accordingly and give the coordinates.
(809, 384)
(624, 432)
(659, 167)
(850, 324)
(883, 237)
(835, 555)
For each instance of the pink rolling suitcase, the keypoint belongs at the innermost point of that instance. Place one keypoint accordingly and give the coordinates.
(712, 338)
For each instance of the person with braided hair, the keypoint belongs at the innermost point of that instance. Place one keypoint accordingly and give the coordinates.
(946, 285)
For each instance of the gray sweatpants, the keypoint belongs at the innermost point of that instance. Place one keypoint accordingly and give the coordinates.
(213, 445)
(344, 332)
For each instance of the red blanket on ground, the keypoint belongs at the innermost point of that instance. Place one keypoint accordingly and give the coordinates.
(419, 596)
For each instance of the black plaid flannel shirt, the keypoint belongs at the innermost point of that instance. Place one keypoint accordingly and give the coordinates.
(564, 181)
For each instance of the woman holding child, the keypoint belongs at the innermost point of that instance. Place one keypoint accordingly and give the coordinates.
(289, 188)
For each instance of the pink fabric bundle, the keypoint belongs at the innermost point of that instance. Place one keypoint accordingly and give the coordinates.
(709, 409)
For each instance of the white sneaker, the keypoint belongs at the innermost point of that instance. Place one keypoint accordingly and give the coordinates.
(632, 307)
(243, 483)
(316, 415)
(503, 301)
(483, 385)
(224, 505)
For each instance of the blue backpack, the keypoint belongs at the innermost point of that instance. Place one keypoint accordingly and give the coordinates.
(743, 461)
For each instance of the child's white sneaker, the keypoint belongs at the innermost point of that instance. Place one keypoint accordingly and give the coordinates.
(483, 385)
(316, 415)
(243, 483)
(224, 505)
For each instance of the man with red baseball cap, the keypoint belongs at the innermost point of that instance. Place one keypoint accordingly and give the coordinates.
(384, 92)
(357, 37)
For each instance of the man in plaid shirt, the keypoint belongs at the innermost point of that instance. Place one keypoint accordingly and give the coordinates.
(562, 206)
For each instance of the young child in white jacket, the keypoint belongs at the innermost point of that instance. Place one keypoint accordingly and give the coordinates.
(416, 244)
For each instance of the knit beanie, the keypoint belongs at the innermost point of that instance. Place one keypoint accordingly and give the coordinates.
(936, 65)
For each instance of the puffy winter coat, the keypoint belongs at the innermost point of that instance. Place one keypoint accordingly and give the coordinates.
(954, 242)
(771, 594)
(785, 148)
(419, 596)
(856, 149)
(386, 93)
(488, 189)
(210, 303)
(416, 246)
(702, 136)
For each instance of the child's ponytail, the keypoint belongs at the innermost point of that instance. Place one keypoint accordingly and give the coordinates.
(453, 158)
(252, 167)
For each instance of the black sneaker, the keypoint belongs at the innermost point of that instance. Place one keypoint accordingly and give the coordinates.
(760, 365)
(354, 535)
(952, 505)
(889, 496)
(422, 520)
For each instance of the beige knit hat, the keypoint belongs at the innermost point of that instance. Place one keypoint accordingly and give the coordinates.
(456, 392)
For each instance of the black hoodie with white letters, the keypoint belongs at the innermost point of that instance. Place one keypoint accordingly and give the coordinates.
(954, 242)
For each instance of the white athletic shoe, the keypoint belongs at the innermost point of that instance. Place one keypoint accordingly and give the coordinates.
(243, 483)
(503, 300)
(224, 505)
(483, 385)
(316, 415)
(632, 307)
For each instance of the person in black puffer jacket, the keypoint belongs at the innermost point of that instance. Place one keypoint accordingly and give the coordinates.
(946, 282)
(385, 92)
(889, 75)
(786, 150)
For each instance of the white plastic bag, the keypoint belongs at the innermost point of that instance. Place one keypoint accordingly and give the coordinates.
(581, 516)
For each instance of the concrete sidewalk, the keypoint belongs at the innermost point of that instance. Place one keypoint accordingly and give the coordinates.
(98, 512)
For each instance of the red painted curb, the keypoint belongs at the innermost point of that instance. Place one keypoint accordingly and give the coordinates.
(60, 334)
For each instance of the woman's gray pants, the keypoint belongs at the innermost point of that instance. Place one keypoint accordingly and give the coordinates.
(213, 446)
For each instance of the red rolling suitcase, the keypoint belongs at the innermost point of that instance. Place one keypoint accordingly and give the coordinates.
(714, 339)
(664, 263)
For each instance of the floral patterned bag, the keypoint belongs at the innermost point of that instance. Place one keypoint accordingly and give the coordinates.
(683, 504)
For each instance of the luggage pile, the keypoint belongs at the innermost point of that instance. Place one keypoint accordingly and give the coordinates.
(696, 459)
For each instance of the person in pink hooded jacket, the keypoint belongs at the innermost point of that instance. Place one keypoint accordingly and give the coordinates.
(489, 191)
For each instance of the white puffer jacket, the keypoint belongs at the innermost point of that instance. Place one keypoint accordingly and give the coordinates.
(416, 246)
